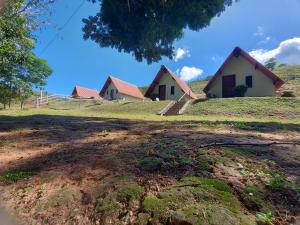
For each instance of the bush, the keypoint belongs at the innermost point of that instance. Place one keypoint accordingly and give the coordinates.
(288, 94)
(153, 96)
(150, 164)
(240, 91)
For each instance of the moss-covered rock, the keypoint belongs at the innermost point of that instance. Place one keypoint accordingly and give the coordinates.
(253, 198)
(194, 201)
(111, 204)
(206, 214)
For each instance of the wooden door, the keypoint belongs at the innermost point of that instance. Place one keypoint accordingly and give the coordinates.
(228, 84)
(112, 94)
(162, 92)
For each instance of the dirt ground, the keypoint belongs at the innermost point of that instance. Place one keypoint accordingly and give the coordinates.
(70, 159)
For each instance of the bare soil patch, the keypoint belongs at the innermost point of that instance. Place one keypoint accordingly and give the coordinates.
(78, 170)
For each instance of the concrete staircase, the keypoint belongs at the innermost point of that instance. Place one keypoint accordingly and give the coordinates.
(177, 108)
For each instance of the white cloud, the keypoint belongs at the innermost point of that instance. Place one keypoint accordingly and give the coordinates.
(180, 53)
(265, 40)
(287, 52)
(260, 31)
(189, 73)
(217, 58)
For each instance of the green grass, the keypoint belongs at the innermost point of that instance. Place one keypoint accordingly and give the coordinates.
(115, 107)
(14, 176)
(286, 72)
(242, 113)
(281, 108)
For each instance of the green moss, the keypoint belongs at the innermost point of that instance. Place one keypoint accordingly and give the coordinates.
(150, 164)
(152, 204)
(216, 184)
(202, 163)
(110, 203)
(253, 198)
(59, 197)
(191, 199)
(129, 193)
(206, 214)
(157, 208)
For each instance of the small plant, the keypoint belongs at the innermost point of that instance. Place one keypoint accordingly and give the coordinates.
(267, 218)
(240, 91)
(186, 161)
(14, 176)
(277, 182)
(150, 164)
(6, 143)
(246, 172)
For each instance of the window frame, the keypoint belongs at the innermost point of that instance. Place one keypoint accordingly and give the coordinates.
(249, 85)
(172, 92)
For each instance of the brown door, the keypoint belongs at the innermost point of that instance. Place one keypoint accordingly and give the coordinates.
(228, 84)
(162, 92)
(112, 94)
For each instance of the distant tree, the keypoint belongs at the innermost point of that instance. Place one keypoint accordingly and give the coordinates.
(20, 68)
(271, 64)
(282, 65)
(148, 29)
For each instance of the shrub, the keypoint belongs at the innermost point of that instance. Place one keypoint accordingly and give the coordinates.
(240, 91)
(150, 164)
(153, 96)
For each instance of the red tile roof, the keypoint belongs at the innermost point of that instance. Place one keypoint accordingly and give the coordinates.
(184, 87)
(123, 88)
(83, 92)
(240, 52)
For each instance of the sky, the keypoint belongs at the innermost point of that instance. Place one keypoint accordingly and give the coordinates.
(264, 28)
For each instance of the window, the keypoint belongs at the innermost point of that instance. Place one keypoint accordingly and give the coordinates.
(107, 92)
(249, 81)
(172, 90)
(116, 91)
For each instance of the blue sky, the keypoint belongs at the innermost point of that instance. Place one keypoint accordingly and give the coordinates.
(265, 28)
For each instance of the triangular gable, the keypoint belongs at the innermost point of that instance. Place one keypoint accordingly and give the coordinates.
(83, 92)
(184, 87)
(122, 87)
(240, 52)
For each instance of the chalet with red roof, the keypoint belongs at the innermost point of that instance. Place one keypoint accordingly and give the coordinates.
(116, 89)
(242, 69)
(167, 86)
(85, 93)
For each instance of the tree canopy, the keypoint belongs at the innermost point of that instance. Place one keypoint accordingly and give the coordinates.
(20, 69)
(148, 29)
(271, 63)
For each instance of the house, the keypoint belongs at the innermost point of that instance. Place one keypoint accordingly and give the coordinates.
(116, 89)
(85, 93)
(167, 86)
(242, 69)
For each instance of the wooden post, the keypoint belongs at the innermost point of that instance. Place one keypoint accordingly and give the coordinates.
(37, 102)
(47, 100)
(41, 98)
